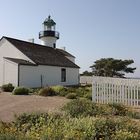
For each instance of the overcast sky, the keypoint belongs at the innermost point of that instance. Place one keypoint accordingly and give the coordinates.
(89, 29)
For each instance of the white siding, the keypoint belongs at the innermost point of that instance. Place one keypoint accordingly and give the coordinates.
(8, 50)
(10, 73)
(30, 76)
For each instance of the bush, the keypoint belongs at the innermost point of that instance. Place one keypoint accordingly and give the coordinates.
(21, 91)
(104, 128)
(88, 96)
(47, 91)
(79, 107)
(126, 135)
(7, 87)
(134, 114)
(84, 107)
(71, 96)
(34, 91)
(36, 124)
(12, 137)
(57, 88)
(57, 126)
(63, 92)
(60, 90)
(70, 129)
(7, 137)
(33, 119)
(118, 109)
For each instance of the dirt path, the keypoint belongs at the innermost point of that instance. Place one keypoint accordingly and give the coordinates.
(18, 104)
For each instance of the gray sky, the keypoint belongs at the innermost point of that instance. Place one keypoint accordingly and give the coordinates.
(89, 29)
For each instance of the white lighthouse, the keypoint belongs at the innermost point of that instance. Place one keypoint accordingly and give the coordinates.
(49, 36)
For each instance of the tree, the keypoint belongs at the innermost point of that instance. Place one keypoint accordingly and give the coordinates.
(86, 73)
(111, 67)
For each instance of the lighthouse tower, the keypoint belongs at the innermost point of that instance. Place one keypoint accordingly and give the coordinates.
(49, 36)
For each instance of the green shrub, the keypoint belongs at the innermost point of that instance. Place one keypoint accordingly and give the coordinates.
(88, 96)
(80, 91)
(125, 135)
(60, 90)
(21, 91)
(104, 128)
(47, 91)
(33, 119)
(71, 96)
(70, 129)
(13, 137)
(80, 107)
(57, 126)
(7, 137)
(31, 90)
(36, 124)
(57, 88)
(63, 92)
(34, 91)
(84, 107)
(118, 109)
(134, 114)
(7, 87)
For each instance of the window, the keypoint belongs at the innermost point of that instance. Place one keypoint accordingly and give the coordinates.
(63, 75)
(54, 45)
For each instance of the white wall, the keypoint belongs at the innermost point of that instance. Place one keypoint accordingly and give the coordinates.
(30, 76)
(8, 50)
(48, 41)
(10, 72)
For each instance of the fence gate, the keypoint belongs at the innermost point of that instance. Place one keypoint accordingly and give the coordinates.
(116, 90)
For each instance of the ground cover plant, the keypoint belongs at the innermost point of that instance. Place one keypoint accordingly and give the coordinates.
(80, 119)
(77, 91)
(72, 92)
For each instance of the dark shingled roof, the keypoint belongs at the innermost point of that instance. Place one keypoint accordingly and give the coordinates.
(65, 53)
(42, 55)
(20, 61)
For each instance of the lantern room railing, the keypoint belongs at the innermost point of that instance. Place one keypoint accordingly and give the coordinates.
(49, 34)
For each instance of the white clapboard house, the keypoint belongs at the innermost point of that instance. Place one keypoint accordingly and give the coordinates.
(28, 64)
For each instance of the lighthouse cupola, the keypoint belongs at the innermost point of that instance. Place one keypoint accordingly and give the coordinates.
(49, 36)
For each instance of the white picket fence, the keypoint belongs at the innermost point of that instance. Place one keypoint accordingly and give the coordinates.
(85, 80)
(116, 90)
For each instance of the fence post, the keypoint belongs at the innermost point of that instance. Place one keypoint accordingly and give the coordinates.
(125, 91)
(94, 89)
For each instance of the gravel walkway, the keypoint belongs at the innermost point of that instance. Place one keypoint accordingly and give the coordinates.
(11, 105)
